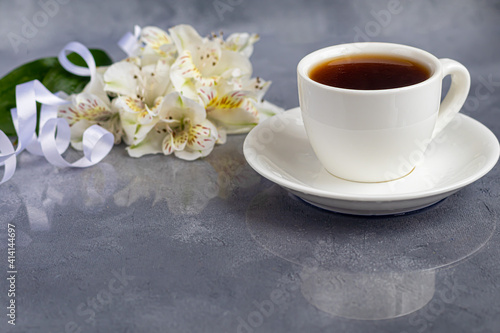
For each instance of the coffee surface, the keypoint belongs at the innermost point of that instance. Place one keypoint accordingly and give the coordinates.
(369, 72)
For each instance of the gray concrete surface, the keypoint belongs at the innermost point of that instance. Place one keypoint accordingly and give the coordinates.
(162, 245)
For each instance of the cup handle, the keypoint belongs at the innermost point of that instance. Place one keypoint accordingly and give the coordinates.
(459, 90)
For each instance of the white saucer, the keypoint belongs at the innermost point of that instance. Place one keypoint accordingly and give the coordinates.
(279, 150)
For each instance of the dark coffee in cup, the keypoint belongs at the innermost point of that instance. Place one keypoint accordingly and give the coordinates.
(369, 72)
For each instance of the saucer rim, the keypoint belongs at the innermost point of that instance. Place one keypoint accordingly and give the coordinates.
(453, 187)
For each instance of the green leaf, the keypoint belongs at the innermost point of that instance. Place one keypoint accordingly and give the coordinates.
(34, 70)
(51, 74)
(101, 58)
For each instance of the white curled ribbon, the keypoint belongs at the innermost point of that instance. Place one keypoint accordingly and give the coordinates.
(54, 132)
(83, 52)
(129, 43)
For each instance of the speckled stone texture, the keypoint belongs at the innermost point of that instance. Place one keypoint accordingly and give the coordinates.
(162, 245)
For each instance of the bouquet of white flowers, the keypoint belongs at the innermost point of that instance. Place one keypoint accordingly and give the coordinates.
(176, 93)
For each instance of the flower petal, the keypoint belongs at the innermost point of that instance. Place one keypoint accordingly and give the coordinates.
(174, 142)
(222, 138)
(208, 95)
(133, 131)
(257, 86)
(96, 86)
(151, 144)
(129, 125)
(242, 43)
(202, 136)
(86, 106)
(240, 118)
(130, 104)
(121, 78)
(189, 155)
(156, 79)
(185, 37)
(231, 64)
(206, 56)
(114, 127)
(178, 107)
(76, 133)
(156, 39)
(185, 76)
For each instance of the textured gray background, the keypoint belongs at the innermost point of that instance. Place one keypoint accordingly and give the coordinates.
(207, 244)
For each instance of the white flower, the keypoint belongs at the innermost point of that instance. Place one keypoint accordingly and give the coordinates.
(203, 61)
(242, 43)
(91, 106)
(156, 44)
(192, 141)
(236, 106)
(182, 129)
(140, 95)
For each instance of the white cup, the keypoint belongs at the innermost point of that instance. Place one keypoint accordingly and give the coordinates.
(377, 135)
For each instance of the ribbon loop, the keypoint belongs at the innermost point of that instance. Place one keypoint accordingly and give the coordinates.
(129, 43)
(8, 158)
(83, 52)
(55, 134)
